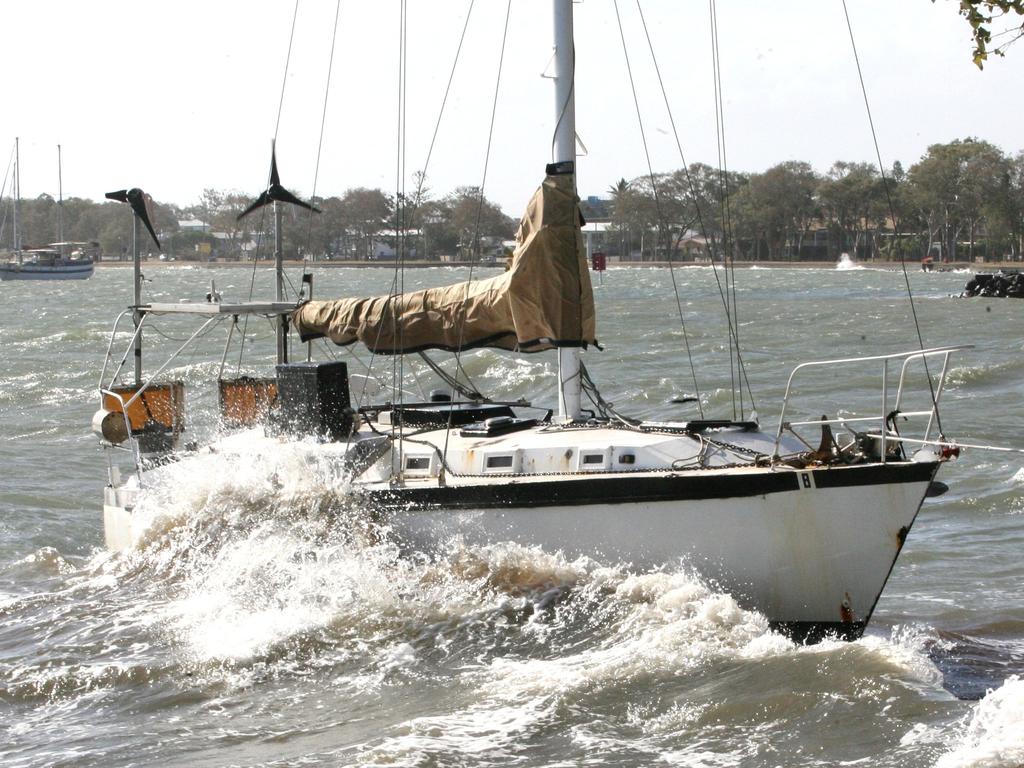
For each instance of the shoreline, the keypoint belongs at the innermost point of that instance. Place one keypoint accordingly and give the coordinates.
(965, 266)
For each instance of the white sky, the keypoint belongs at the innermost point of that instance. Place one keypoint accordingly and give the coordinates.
(178, 97)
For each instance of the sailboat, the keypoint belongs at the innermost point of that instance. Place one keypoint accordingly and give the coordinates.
(795, 522)
(55, 261)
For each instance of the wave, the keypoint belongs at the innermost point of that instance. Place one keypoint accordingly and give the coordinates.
(993, 737)
(962, 375)
(261, 570)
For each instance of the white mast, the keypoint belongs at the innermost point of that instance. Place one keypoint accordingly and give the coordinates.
(17, 197)
(565, 150)
(60, 204)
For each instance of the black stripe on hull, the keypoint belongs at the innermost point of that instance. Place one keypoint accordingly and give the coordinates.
(630, 488)
(811, 632)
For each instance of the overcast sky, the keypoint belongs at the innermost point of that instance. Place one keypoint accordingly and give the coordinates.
(179, 97)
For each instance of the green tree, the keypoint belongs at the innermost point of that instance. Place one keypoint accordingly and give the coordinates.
(464, 221)
(364, 213)
(854, 207)
(955, 187)
(775, 209)
(619, 225)
(635, 213)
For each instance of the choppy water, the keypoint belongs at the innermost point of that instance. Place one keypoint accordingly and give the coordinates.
(247, 630)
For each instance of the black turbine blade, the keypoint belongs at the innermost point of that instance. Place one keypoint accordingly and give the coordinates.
(282, 195)
(275, 180)
(137, 200)
(263, 199)
(275, 192)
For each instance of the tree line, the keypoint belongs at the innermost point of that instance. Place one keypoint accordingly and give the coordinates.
(359, 225)
(961, 200)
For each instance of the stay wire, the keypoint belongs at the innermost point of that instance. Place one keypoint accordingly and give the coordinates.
(3, 189)
(440, 114)
(263, 216)
(320, 140)
(662, 223)
(423, 173)
(480, 203)
(718, 150)
(487, 157)
(722, 291)
(287, 62)
(895, 221)
(730, 274)
(475, 255)
(397, 368)
(252, 284)
(689, 182)
(563, 110)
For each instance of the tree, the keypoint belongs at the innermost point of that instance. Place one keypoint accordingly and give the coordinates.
(463, 221)
(981, 14)
(363, 214)
(617, 193)
(853, 203)
(955, 187)
(635, 213)
(776, 208)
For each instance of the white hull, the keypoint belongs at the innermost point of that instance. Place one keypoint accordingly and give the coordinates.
(810, 556)
(811, 549)
(34, 272)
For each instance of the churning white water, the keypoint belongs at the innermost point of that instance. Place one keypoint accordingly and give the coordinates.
(265, 618)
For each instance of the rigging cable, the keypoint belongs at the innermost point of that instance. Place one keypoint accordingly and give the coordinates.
(722, 291)
(437, 125)
(320, 140)
(895, 221)
(444, 102)
(654, 188)
(475, 256)
(287, 61)
(398, 282)
(3, 189)
(729, 265)
(263, 215)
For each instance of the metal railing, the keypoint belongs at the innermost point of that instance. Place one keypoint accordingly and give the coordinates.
(884, 435)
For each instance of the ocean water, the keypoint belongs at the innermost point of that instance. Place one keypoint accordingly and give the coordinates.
(262, 623)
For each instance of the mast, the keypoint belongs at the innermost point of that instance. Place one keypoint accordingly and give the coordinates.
(60, 204)
(137, 297)
(137, 199)
(17, 197)
(276, 194)
(565, 151)
(282, 320)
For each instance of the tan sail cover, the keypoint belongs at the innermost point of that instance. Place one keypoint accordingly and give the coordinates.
(543, 301)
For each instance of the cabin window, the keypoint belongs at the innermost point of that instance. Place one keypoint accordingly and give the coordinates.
(592, 461)
(627, 458)
(500, 462)
(417, 463)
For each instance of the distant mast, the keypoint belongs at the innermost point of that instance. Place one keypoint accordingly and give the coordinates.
(60, 204)
(569, 385)
(17, 196)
